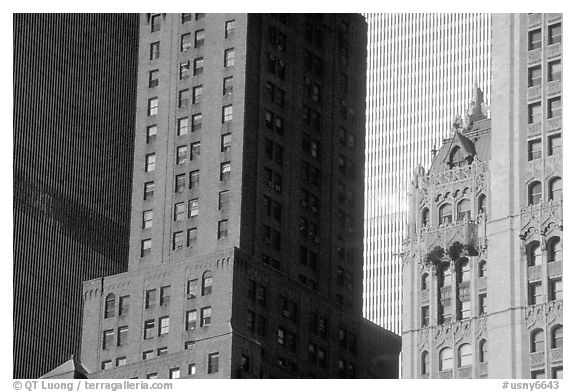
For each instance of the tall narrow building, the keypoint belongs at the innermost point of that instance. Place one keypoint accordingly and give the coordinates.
(246, 240)
(421, 72)
(482, 266)
(74, 111)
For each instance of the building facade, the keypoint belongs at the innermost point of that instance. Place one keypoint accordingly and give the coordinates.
(74, 103)
(421, 71)
(482, 266)
(246, 241)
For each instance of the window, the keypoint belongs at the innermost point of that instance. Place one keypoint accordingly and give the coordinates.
(224, 171)
(555, 144)
(181, 154)
(185, 42)
(534, 193)
(425, 363)
(184, 70)
(174, 373)
(213, 363)
(534, 149)
(554, 107)
(183, 125)
(120, 361)
(199, 38)
(482, 308)
(110, 306)
(186, 18)
(192, 369)
(194, 179)
(555, 288)
(425, 282)
(537, 341)
(148, 329)
(226, 142)
(534, 39)
(554, 34)
(445, 213)
(463, 209)
(106, 365)
(554, 250)
(229, 57)
(425, 217)
(464, 355)
(227, 114)
(153, 78)
(223, 229)
(535, 113)
(446, 359)
(162, 351)
(463, 270)
(178, 240)
(183, 98)
(205, 316)
(179, 212)
(192, 288)
(281, 336)
(261, 294)
(147, 354)
(535, 293)
(154, 50)
(108, 339)
(425, 316)
(191, 236)
(483, 351)
(557, 372)
(223, 200)
(444, 313)
(251, 320)
(557, 336)
(195, 151)
(124, 305)
(534, 76)
(151, 132)
(197, 94)
(122, 336)
(155, 23)
(196, 122)
(555, 189)
(165, 296)
(207, 283)
(199, 16)
(229, 28)
(463, 309)
(180, 183)
(198, 66)
(482, 204)
(145, 247)
(193, 208)
(153, 106)
(554, 70)
(150, 163)
(163, 325)
(152, 376)
(227, 86)
(534, 254)
(538, 374)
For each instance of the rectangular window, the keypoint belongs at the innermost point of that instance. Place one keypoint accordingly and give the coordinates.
(184, 70)
(425, 316)
(227, 114)
(227, 87)
(223, 229)
(153, 78)
(163, 325)
(124, 305)
(554, 70)
(165, 296)
(192, 369)
(199, 38)
(108, 339)
(196, 94)
(154, 50)
(122, 336)
(106, 365)
(223, 200)
(534, 76)
(534, 149)
(180, 183)
(229, 28)
(147, 354)
(193, 208)
(183, 125)
(281, 336)
(225, 171)
(482, 305)
(555, 144)
(151, 132)
(191, 236)
(226, 142)
(174, 373)
(191, 318)
(179, 212)
(555, 286)
(181, 154)
(153, 106)
(185, 42)
(178, 240)
(195, 151)
(197, 122)
(147, 219)
(148, 329)
(554, 107)
(199, 16)
(186, 18)
(162, 351)
(192, 288)
(251, 320)
(534, 39)
(145, 247)
(150, 163)
(554, 34)
(198, 66)
(229, 57)
(155, 23)
(194, 179)
(183, 98)
(205, 316)
(534, 113)
(534, 293)
(152, 376)
(213, 360)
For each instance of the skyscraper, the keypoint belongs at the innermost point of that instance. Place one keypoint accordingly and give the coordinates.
(483, 281)
(74, 101)
(421, 72)
(246, 246)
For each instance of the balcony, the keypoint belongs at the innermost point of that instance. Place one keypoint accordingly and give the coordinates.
(537, 359)
(554, 124)
(483, 369)
(445, 293)
(555, 269)
(465, 232)
(556, 356)
(533, 216)
(457, 174)
(464, 290)
(554, 51)
(425, 296)
(534, 273)
(465, 372)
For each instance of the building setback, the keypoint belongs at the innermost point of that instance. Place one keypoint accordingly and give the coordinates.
(74, 101)
(246, 241)
(421, 70)
(482, 274)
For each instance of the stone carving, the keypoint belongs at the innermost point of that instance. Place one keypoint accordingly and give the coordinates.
(461, 330)
(480, 327)
(534, 314)
(554, 313)
(443, 334)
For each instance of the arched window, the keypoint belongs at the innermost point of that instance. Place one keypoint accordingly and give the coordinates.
(537, 341)
(110, 306)
(463, 270)
(554, 251)
(482, 204)
(464, 355)
(446, 359)
(555, 190)
(534, 254)
(445, 213)
(207, 283)
(425, 282)
(534, 193)
(425, 364)
(463, 209)
(444, 276)
(557, 336)
(425, 217)
(483, 351)
(482, 269)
